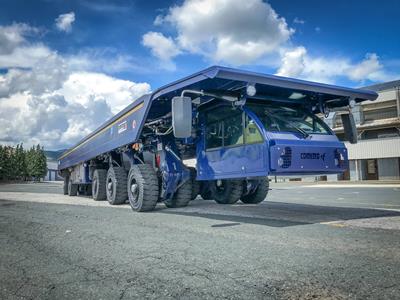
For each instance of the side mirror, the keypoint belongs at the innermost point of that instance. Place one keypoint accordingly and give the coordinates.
(349, 126)
(182, 116)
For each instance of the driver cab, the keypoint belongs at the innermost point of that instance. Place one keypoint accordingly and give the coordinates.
(236, 140)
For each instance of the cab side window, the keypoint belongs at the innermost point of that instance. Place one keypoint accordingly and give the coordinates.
(251, 132)
(227, 127)
(214, 136)
(233, 129)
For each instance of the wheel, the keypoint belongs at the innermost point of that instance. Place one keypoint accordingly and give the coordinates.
(182, 196)
(142, 187)
(65, 185)
(195, 183)
(72, 188)
(116, 186)
(226, 191)
(99, 185)
(259, 194)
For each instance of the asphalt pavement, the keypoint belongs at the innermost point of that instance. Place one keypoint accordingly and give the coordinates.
(302, 242)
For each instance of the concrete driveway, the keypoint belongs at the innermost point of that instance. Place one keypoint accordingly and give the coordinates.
(304, 241)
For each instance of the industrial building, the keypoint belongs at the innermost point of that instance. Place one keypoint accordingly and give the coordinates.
(376, 156)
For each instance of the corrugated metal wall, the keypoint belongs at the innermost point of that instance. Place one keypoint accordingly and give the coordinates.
(380, 148)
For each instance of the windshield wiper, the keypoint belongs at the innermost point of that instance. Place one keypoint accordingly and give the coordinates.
(304, 133)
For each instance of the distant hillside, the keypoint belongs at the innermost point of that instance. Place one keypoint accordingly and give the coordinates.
(53, 154)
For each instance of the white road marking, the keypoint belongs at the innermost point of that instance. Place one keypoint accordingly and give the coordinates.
(389, 222)
(360, 186)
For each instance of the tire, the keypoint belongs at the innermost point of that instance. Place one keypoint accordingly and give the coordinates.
(72, 188)
(116, 186)
(259, 194)
(195, 183)
(99, 185)
(182, 196)
(228, 192)
(142, 187)
(65, 185)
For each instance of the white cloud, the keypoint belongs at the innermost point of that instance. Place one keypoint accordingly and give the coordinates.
(60, 117)
(293, 62)
(45, 98)
(15, 51)
(298, 63)
(299, 21)
(235, 31)
(85, 87)
(368, 68)
(64, 21)
(162, 47)
(14, 35)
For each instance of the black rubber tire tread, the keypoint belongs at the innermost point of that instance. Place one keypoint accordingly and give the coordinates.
(182, 196)
(119, 176)
(147, 180)
(259, 194)
(101, 176)
(72, 188)
(195, 183)
(232, 193)
(65, 185)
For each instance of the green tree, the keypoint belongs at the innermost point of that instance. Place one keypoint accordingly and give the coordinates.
(30, 162)
(36, 163)
(2, 163)
(42, 162)
(20, 162)
(10, 163)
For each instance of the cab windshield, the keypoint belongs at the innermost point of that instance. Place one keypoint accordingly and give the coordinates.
(282, 117)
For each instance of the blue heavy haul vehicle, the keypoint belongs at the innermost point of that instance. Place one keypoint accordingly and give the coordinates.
(239, 126)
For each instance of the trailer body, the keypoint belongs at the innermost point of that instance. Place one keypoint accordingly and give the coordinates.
(245, 126)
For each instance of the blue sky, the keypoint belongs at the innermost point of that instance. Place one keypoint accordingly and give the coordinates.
(94, 57)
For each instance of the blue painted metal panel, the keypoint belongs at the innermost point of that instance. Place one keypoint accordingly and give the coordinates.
(123, 130)
(233, 162)
(307, 157)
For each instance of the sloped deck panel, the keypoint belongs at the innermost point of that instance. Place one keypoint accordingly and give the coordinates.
(110, 136)
(124, 128)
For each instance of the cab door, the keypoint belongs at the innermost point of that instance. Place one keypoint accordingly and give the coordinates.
(232, 146)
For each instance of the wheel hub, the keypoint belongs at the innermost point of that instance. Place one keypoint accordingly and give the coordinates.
(134, 188)
(110, 186)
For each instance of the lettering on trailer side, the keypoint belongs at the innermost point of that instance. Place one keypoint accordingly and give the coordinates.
(122, 127)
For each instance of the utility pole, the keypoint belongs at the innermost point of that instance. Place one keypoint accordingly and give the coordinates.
(398, 101)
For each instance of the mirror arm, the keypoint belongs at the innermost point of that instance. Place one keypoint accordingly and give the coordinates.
(201, 93)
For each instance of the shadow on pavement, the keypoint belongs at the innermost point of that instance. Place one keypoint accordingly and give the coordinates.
(277, 214)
